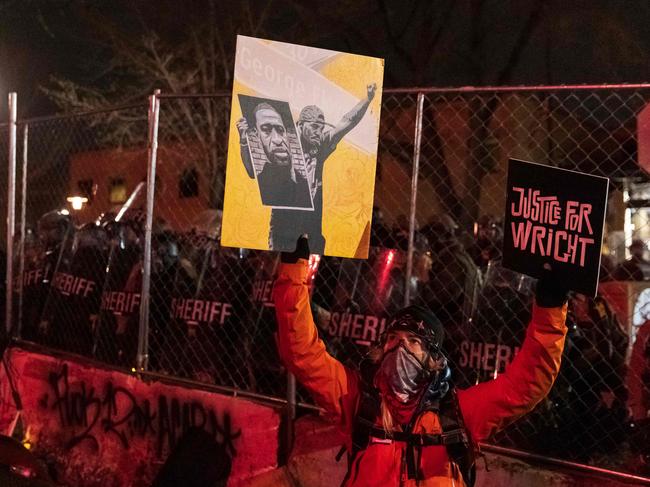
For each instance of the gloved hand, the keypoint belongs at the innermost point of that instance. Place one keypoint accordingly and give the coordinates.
(301, 252)
(551, 291)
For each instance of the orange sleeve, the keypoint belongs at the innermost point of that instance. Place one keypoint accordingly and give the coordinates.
(490, 406)
(333, 386)
(637, 390)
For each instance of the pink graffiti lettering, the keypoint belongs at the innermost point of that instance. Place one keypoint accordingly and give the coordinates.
(559, 245)
(576, 214)
(532, 206)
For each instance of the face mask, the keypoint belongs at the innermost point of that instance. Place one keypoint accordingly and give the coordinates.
(401, 373)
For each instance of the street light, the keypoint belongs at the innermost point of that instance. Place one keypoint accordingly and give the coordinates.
(77, 202)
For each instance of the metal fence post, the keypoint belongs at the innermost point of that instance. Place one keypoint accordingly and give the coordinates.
(414, 196)
(23, 226)
(11, 210)
(143, 331)
(291, 413)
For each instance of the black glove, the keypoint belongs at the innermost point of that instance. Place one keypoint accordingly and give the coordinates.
(301, 252)
(551, 292)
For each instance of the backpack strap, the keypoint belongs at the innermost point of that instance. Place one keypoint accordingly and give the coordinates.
(455, 436)
(417, 439)
(367, 410)
(462, 453)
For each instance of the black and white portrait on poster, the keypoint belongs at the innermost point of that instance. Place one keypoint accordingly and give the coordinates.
(272, 154)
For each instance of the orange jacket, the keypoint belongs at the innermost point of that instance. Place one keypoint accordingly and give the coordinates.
(486, 407)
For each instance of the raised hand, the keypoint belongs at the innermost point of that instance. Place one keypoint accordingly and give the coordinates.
(551, 291)
(301, 252)
(372, 88)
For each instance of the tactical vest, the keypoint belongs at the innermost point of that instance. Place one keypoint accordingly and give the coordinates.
(455, 436)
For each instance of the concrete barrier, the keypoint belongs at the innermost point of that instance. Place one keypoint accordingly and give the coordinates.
(101, 426)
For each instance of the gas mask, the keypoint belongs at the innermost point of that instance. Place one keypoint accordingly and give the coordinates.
(401, 374)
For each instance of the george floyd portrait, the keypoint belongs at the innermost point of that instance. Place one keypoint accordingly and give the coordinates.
(271, 153)
(288, 164)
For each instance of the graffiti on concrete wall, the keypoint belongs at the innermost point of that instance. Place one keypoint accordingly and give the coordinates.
(115, 410)
(106, 427)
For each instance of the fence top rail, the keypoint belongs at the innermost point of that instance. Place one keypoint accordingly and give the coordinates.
(394, 91)
(216, 94)
(579, 467)
(460, 89)
(516, 89)
(84, 113)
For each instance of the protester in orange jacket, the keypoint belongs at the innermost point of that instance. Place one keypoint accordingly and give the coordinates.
(406, 425)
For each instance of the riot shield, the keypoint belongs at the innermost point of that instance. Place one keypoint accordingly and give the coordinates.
(366, 294)
(590, 393)
(493, 336)
(208, 337)
(490, 342)
(450, 289)
(31, 290)
(72, 309)
(166, 269)
(267, 370)
(116, 337)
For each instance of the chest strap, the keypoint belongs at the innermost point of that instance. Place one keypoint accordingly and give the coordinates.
(451, 437)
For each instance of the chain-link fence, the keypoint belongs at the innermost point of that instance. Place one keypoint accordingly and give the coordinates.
(68, 254)
(211, 318)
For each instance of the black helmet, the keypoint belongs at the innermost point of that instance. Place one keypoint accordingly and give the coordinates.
(208, 222)
(165, 248)
(440, 230)
(126, 227)
(488, 228)
(53, 227)
(420, 321)
(90, 235)
(420, 242)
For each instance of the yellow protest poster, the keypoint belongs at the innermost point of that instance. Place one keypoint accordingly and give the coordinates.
(302, 149)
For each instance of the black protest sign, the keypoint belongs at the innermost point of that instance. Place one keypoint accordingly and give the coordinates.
(555, 217)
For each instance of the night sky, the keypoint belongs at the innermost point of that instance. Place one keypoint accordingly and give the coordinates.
(425, 43)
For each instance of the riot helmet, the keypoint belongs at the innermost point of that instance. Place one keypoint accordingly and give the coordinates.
(90, 235)
(53, 227)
